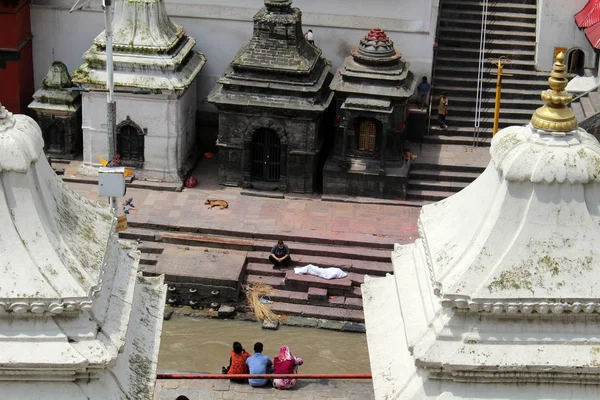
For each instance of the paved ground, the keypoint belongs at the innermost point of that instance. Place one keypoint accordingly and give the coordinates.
(224, 390)
(295, 215)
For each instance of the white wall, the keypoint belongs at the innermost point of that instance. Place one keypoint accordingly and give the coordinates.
(168, 123)
(221, 27)
(557, 28)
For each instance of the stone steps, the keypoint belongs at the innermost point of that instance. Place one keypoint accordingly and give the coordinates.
(431, 195)
(435, 185)
(374, 268)
(303, 295)
(437, 175)
(506, 45)
(457, 140)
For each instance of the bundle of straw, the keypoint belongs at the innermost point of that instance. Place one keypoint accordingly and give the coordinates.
(261, 310)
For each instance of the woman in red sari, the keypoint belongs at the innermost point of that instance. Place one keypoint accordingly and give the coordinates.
(285, 363)
(237, 362)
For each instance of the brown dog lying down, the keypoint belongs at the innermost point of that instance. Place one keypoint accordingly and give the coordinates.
(408, 156)
(214, 203)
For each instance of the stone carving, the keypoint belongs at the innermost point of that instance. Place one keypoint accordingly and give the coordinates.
(372, 89)
(277, 82)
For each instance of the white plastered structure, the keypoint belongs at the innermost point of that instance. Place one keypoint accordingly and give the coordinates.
(155, 70)
(499, 297)
(77, 320)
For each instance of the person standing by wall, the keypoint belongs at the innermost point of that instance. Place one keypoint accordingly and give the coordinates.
(309, 37)
(423, 90)
(443, 110)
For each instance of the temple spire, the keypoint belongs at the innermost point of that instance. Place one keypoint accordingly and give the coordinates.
(555, 115)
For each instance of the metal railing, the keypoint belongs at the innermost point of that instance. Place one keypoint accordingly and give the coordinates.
(261, 376)
(595, 89)
(480, 71)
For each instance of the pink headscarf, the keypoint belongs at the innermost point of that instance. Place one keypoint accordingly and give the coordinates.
(284, 353)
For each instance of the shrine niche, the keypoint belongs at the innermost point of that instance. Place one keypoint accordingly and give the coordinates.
(272, 101)
(371, 89)
(130, 143)
(58, 113)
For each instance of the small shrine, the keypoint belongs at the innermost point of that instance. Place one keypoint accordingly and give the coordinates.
(58, 113)
(77, 320)
(155, 70)
(372, 89)
(499, 296)
(272, 100)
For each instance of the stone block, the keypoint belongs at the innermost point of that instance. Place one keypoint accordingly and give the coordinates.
(271, 325)
(226, 312)
(317, 294)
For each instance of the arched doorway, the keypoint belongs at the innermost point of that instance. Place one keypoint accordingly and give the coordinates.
(266, 156)
(576, 62)
(54, 139)
(367, 135)
(130, 143)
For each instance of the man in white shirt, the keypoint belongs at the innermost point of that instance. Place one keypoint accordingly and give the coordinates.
(309, 37)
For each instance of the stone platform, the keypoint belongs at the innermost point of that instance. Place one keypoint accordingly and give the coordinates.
(304, 389)
(198, 275)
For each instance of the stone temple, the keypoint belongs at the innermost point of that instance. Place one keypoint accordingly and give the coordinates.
(77, 320)
(155, 69)
(372, 89)
(58, 113)
(272, 101)
(499, 297)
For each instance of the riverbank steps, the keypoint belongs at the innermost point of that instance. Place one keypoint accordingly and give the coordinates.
(288, 320)
(224, 390)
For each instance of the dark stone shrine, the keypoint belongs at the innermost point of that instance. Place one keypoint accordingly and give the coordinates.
(271, 102)
(58, 112)
(372, 89)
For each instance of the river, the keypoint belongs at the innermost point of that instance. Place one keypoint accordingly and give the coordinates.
(203, 345)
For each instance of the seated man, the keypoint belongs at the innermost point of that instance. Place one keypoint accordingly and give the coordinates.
(259, 364)
(280, 255)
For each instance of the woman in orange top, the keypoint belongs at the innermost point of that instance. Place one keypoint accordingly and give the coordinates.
(237, 362)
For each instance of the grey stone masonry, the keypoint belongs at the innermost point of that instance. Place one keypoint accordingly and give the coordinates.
(372, 89)
(271, 102)
(58, 112)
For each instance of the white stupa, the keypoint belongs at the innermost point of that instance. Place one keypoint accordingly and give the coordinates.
(77, 321)
(155, 70)
(500, 297)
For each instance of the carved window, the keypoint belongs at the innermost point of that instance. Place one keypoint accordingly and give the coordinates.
(130, 143)
(367, 136)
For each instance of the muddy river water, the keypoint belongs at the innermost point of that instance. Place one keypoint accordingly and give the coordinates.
(203, 345)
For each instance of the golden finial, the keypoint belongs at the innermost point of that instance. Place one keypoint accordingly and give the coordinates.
(555, 115)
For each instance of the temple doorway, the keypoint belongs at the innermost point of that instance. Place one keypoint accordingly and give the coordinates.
(54, 139)
(576, 62)
(266, 156)
(130, 144)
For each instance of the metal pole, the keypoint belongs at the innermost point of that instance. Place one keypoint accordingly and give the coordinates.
(498, 90)
(263, 376)
(111, 109)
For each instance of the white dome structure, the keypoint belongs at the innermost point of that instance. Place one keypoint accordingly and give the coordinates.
(499, 297)
(77, 321)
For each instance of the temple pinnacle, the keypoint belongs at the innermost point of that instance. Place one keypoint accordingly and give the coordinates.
(555, 115)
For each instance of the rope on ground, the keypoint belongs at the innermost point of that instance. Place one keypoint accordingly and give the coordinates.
(254, 293)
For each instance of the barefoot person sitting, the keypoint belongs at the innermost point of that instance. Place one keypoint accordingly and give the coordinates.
(285, 363)
(280, 255)
(237, 362)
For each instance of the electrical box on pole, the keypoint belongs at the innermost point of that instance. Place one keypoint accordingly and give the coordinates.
(111, 181)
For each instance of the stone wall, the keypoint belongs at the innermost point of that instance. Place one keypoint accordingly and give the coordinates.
(170, 125)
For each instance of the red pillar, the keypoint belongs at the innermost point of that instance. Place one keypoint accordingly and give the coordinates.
(16, 59)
